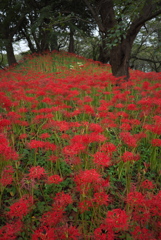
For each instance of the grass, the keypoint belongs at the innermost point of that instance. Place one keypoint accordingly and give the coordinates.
(80, 156)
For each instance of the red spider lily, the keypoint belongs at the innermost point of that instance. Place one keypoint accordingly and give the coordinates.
(132, 107)
(53, 158)
(101, 198)
(6, 176)
(52, 217)
(116, 219)
(99, 233)
(36, 172)
(130, 156)
(142, 234)
(11, 230)
(128, 139)
(146, 184)
(153, 128)
(5, 102)
(155, 205)
(95, 127)
(88, 109)
(126, 126)
(4, 123)
(56, 179)
(156, 142)
(44, 135)
(85, 205)
(20, 208)
(101, 159)
(61, 200)
(84, 178)
(68, 232)
(135, 198)
(6, 151)
(108, 148)
(44, 233)
(73, 149)
(35, 144)
(23, 136)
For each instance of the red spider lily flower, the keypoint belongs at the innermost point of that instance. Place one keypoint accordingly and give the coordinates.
(6, 151)
(85, 205)
(142, 234)
(34, 144)
(62, 200)
(153, 128)
(101, 198)
(49, 146)
(73, 149)
(88, 109)
(147, 184)
(119, 105)
(109, 148)
(135, 198)
(36, 172)
(128, 139)
(101, 159)
(139, 136)
(5, 123)
(23, 136)
(5, 102)
(156, 142)
(73, 160)
(132, 107)
(21, 208)
(116, 219)
(56, 179)
(44, 233)
(84, 178)
(6, 176)
(94, 137)
(62, 125)
(141, 215)
(44, 135)
(52, 218)
(95, 127)
(53, 158)
(99, 233)
(11, 230)
(155, 205)
(126, 126)
(130, 156)
(68, 232)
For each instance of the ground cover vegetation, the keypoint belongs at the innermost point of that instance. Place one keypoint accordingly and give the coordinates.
(79, 154)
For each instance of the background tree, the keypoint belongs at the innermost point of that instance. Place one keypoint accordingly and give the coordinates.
(119, 22)
(146, 51)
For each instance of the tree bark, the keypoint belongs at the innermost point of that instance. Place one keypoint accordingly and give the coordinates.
(10, 53)
(119, 59)
(71, 41)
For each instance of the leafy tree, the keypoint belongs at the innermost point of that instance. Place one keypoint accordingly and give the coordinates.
(119, 22)
(12, 14)
(146, 51)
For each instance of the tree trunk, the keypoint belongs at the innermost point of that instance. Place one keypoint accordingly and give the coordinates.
(71, 42)
(104, 55)
(119, 59)
(10, 53)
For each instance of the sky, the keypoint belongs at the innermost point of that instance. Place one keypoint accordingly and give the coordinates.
(19, 47)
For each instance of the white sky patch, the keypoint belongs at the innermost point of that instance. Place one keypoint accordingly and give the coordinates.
(20, 47)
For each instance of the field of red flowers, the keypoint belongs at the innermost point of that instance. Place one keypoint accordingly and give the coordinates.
(80, 156)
